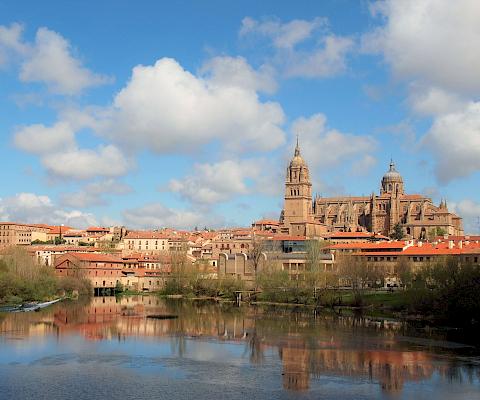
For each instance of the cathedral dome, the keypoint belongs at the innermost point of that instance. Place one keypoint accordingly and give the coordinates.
(297, 160)
(392, 175)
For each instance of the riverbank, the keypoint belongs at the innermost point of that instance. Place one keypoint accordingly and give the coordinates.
(22, 280)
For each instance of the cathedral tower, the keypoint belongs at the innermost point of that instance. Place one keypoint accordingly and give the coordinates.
(298, 193)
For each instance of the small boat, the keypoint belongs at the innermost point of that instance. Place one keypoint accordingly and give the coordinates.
(35, 306)
(162, 316)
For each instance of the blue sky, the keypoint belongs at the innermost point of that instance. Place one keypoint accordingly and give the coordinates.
(185, 114)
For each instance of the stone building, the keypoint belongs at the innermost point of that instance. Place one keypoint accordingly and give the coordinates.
(420, 218)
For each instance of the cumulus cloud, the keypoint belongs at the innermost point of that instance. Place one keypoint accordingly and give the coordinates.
(433, 45)
(325, 147)
(283, 35)
(469, 210)
(433, 100)
(329, 60)
(156, 215)
(93, 193)
(436, 41)
(165, 108)
(236, 72)
(454, 139)
(11, 44)
(213, 183)
(325, 58)
(106, 161)
(363, 165)
(33, 208)
(49, 60)
(62, 157)
(40, 139)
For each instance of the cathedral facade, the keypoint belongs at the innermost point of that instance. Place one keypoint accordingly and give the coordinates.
(419, 217)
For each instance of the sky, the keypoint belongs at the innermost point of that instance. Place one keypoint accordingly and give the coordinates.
(185, 113)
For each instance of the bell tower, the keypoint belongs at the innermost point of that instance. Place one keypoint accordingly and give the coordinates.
(298, 192)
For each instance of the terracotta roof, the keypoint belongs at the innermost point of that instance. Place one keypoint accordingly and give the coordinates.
(288, 237)
(55, 230)
(97, 257)
(354, 235)
(146, 235)
(369, 245)
(97, 229)
(266, 222)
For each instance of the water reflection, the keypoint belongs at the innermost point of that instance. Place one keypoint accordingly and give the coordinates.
(306, 346)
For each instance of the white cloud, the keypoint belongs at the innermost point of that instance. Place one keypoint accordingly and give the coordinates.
(433, 45)
(454, 140)
(156, 215)
(364, 165)
(40, 139)
(329, 60)
(33, 208)
(435, 41)
(434, 101)
(165, 108)
(107, 161)
(325, 58)
(59, 152)
(92, 194)
(11, 43)
(324, 147)
(50, 61)
(213, 183)
(236, 72)
(283, 35)
(469, 210)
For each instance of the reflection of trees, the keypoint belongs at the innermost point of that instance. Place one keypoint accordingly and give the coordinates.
(324, 344)
(178, 345)
(254, 348)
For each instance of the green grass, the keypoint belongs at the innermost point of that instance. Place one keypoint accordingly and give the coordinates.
(392, 300)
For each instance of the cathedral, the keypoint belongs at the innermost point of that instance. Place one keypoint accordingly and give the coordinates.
(418, 216)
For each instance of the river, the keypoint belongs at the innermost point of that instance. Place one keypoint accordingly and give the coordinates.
(143, 347)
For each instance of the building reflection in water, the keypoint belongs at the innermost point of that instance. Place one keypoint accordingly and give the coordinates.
(307, 347)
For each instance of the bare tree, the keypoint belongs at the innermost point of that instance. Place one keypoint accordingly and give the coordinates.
(256, 252)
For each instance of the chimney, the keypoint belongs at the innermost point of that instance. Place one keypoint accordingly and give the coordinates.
(460, 244)
(420, 244)
(450, 244)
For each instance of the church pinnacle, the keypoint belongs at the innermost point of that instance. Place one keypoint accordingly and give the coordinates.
(297, 148)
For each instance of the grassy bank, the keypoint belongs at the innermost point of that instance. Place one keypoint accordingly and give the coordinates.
(23, 280)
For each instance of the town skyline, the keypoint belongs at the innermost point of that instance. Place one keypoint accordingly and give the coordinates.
(160, 121)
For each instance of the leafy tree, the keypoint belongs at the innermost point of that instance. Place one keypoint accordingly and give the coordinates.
(397, 233)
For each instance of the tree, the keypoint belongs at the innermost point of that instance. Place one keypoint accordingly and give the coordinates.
(403, 270)
(316, 275)
(255, 253)
(397, 233)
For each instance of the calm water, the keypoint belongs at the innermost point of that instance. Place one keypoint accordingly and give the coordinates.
(108, 348)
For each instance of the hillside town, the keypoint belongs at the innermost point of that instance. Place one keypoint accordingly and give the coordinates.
(381, 231)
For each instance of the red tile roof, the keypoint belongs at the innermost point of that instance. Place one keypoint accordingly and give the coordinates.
(266, 222)
(146, 235)
(97, 257)
(369, 245)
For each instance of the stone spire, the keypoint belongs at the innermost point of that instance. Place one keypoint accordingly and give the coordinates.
(297, 148)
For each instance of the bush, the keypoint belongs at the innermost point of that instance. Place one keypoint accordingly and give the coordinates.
(448, 291)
